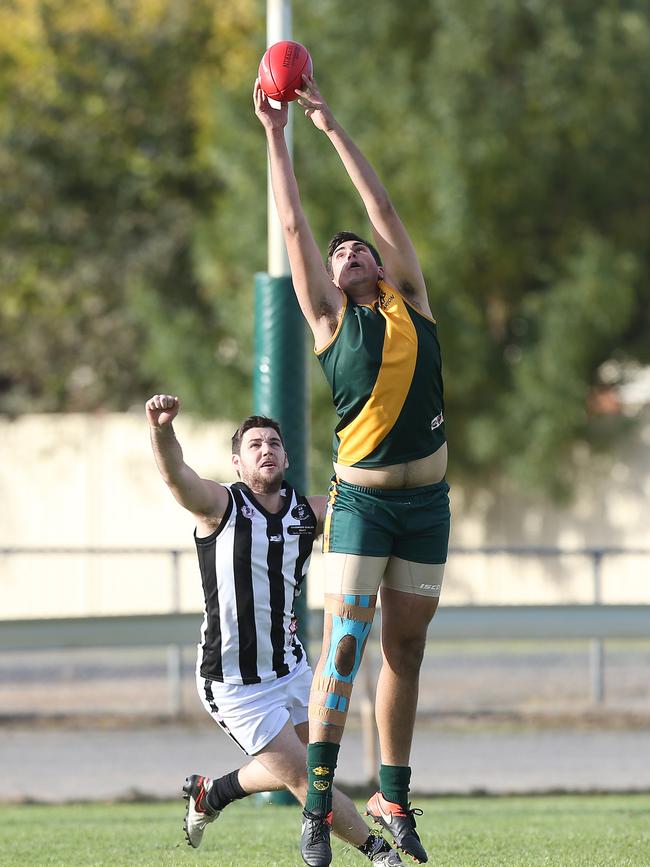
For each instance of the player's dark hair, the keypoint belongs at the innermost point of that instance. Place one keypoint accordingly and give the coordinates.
(341, 238)
(254, 421)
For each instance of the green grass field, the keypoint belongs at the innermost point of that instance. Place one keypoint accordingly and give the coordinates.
(567, 831)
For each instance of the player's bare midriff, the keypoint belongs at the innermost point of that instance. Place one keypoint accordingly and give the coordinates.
(412, 474)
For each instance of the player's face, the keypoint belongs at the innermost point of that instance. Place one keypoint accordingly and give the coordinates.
(262, 460)
(354, 267)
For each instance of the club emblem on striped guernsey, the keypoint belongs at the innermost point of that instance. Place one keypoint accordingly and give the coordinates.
(247, 512)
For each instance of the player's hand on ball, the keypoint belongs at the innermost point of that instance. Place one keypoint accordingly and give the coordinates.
(162, 409)
(316, 109)
(270, 118)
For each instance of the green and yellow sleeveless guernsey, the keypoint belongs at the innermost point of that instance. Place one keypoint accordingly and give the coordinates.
(384, 367)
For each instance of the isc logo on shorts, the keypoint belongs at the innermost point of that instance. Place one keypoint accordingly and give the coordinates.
(430, 586)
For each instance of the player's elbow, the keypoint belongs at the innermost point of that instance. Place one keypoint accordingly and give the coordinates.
(290, 229)
(293, 225)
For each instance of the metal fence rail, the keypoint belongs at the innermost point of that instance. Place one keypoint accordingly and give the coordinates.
(596, 622)
(451, 623)
(595, 555)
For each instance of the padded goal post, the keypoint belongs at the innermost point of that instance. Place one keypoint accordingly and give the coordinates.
(280, 384)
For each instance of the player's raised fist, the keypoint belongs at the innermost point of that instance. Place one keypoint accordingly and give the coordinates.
(162, 409)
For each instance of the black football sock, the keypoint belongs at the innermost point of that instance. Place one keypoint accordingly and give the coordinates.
(225, 790)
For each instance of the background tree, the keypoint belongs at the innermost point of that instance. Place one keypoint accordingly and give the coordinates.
(512, 137)
(109, 163)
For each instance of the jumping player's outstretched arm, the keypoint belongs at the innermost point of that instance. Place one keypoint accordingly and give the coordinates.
(319, 299)
(207, 500)
(393, 242)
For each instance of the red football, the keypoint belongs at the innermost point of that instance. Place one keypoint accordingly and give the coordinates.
(281, 70)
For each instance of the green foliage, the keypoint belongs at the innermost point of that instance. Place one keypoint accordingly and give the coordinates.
(511, 136)
(512, 139)
(107, 156)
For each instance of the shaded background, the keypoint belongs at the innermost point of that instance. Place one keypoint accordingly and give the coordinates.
(513, 139)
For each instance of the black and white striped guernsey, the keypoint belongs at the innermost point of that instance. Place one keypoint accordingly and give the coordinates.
(252, 567)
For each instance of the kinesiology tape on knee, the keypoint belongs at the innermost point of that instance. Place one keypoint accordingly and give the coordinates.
(329, 701)
(351, 624)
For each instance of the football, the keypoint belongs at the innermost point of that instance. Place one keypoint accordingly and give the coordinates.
(281, 70)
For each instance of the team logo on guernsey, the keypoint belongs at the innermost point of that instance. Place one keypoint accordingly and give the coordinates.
(385, 299)
(320, 771)
(300, 512)
(247, 512)
(437, 421)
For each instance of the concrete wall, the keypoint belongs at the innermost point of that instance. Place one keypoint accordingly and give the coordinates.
(79, 480)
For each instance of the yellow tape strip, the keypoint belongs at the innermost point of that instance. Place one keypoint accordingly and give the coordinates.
(328, 685)
(336, 606)
(318, 713)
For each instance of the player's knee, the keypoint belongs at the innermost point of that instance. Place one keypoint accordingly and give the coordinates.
(345, 655)
(405, 656)
(346, 648)
(340, 660)
(351, 624)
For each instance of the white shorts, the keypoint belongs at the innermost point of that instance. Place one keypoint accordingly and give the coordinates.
(253, 714)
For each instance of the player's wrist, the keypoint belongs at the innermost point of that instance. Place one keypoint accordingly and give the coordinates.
(162, 429)
(275, 133)
(333, 129)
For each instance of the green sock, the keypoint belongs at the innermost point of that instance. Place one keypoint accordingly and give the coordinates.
(321, 764)
(394, 782)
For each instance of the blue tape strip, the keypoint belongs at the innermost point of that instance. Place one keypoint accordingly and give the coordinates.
(342, 626)
(361, 601)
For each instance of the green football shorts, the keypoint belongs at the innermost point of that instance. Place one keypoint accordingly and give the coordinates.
(411, 523)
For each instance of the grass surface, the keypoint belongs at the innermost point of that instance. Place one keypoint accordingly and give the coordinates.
(567, 831)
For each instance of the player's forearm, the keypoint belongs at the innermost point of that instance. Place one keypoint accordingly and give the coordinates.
(365, 179)
(193, 493)
(284, 184)
(168, 454)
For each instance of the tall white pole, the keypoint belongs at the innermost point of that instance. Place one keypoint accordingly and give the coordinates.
(278, 27)
(280, 379)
